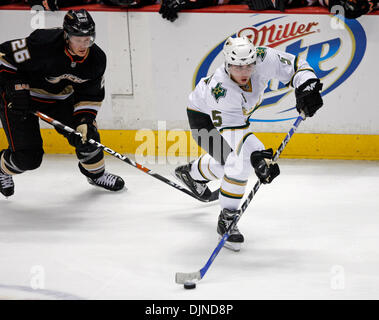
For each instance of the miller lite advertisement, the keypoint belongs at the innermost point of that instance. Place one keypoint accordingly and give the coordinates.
(156, 64)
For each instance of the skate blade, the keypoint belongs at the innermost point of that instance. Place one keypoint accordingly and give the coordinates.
(234, 246)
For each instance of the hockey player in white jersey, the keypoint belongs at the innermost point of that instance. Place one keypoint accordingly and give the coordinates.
(218, 112)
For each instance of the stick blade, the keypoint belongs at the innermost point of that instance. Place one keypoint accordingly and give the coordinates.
(182, 277)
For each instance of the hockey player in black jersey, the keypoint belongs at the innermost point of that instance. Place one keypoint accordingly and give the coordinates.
(59, 72)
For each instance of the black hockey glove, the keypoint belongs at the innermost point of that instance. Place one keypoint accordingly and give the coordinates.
(265, 169)
(308, 97)
(266, 4)
(88, 131)
(18, 95)
(170, 8)
(352, 9)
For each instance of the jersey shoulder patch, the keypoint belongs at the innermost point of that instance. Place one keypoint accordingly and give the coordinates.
(218, 91)
(261, 52)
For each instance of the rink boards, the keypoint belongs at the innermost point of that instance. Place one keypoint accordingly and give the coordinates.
(153, 65)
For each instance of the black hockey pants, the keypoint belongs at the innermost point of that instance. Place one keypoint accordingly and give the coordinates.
(25, 149)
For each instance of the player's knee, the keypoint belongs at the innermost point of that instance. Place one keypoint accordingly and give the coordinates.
(28, 159)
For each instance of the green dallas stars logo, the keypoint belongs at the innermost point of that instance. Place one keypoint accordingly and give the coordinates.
(218, 92)
(261, 53)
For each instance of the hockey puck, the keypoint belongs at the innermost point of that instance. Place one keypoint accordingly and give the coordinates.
(189, 285)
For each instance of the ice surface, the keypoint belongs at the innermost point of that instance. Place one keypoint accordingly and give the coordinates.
(312, 234)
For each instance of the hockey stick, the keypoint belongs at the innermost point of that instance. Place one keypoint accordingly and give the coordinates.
(60, 125)
(182, 277)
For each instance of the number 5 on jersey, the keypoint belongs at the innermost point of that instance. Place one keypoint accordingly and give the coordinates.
(217, 119)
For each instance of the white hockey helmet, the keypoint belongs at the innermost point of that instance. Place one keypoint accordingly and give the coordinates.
(239, 51)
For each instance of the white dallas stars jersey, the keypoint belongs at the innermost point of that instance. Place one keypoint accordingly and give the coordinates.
(230, 105)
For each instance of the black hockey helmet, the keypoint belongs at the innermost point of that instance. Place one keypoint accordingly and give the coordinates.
(79, 23)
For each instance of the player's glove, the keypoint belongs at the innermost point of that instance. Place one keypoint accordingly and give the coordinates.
(88, 130)
(352, 9)
(170, 8)
(266, 4)
(265, 169)
(308, 97)
(18, 95)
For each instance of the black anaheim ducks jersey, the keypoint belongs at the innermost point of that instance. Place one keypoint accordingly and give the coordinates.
(43, 61)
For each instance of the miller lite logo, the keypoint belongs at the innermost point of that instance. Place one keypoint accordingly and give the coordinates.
(277, 34)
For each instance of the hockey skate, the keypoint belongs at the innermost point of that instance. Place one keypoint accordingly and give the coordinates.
(224, 220)
(108, 181)
(199, 188)
(6, 184)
